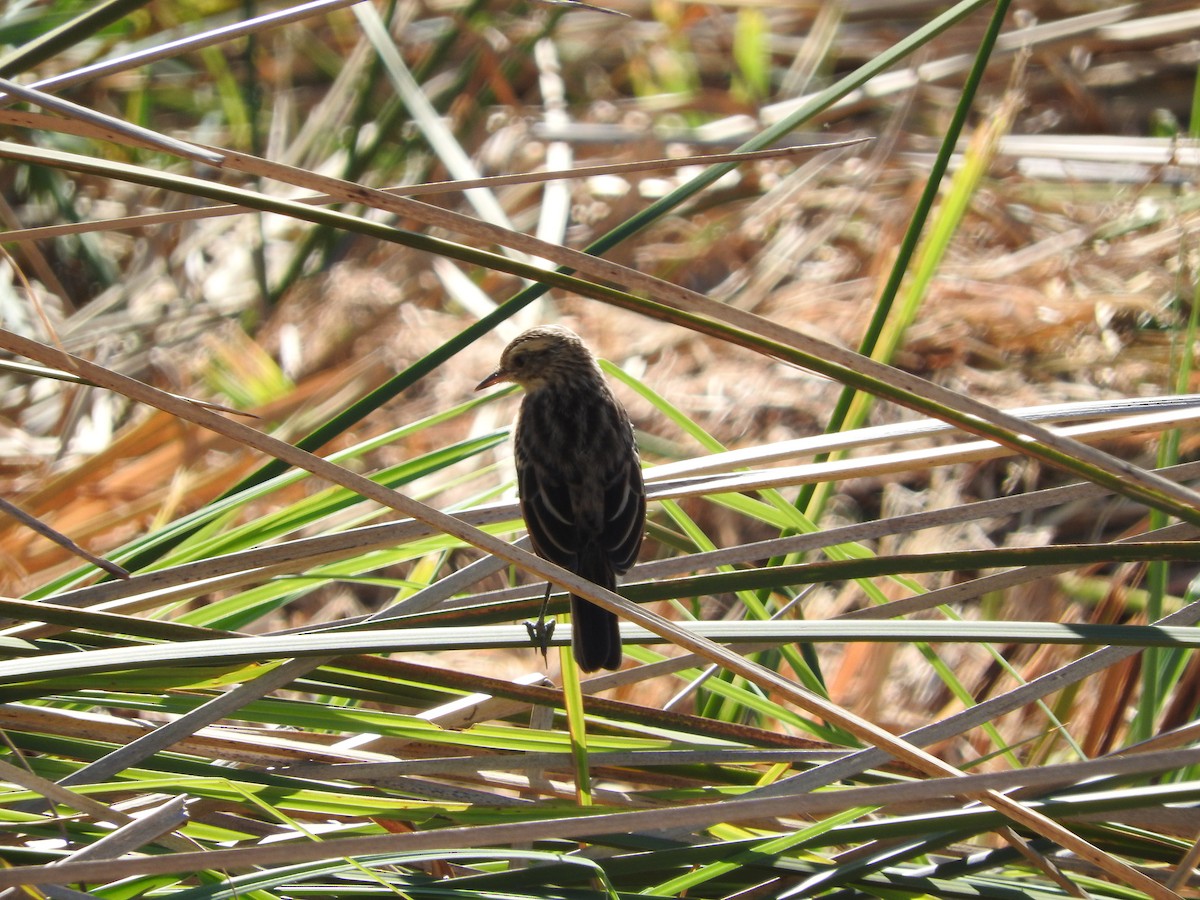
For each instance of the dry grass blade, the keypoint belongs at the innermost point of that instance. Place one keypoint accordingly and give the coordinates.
(143, 136)
(126, 223)
(9, 365)
(148, 828)
(167, 735)
(58, 794)
(172, 49)
(35, 524)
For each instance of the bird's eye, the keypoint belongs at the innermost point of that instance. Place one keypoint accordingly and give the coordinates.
(518, 360)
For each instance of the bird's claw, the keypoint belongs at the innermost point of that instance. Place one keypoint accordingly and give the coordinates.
(540, 633)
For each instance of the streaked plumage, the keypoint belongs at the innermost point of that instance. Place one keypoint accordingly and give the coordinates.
(577, 473)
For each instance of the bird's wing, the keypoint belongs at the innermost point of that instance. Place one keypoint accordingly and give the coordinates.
(624, 514)
(546, 506)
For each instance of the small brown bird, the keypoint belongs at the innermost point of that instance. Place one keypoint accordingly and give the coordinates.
(577, 474)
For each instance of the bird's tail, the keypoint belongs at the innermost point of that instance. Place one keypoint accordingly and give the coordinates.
(596, 637)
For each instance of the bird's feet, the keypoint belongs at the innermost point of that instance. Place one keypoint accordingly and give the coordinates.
(540, 633)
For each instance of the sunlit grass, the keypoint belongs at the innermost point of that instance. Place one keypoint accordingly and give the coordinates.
(330, 672)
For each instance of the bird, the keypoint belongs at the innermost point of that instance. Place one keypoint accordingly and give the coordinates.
(578, 475)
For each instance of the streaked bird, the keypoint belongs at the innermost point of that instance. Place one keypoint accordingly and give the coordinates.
(577, 474)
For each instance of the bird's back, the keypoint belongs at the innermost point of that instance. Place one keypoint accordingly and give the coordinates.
(579, 477)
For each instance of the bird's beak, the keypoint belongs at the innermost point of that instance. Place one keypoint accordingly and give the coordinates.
(495, 378)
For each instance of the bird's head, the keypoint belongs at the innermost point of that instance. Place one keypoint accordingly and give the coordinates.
(544, 355)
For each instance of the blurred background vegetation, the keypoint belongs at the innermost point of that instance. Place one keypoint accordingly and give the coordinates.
(998, 198)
